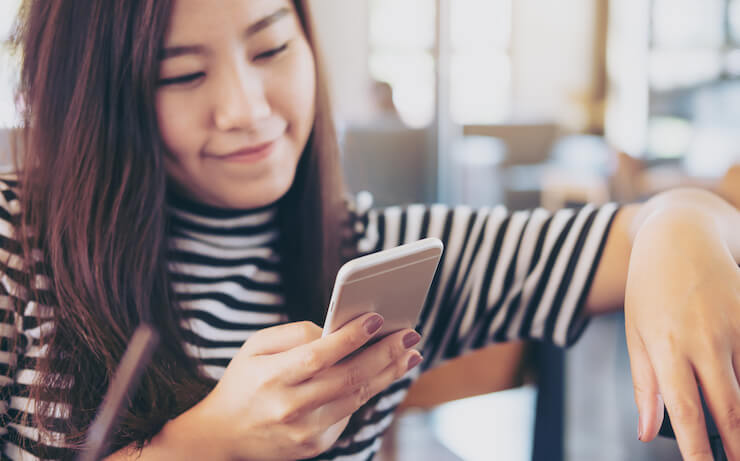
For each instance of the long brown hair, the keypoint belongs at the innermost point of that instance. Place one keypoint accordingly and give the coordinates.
(93, 193)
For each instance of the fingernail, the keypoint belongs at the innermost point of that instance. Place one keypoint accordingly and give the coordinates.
(639, 430)
(373, 324)
(413, 361)
(411, 339)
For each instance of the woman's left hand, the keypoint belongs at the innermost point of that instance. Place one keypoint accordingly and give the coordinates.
(682, 311)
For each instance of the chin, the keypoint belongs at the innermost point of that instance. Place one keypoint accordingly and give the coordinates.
(255, 196)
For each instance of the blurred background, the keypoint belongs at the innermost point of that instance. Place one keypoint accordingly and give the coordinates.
(533, 103)
(527, 103)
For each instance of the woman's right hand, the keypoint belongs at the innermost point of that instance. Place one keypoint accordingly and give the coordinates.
(289, 393)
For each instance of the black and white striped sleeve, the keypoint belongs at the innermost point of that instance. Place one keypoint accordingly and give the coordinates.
(19, 345)
(7, 361)
(8, 317)
(503, 276)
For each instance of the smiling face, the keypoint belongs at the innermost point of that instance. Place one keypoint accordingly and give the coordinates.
(235, 100)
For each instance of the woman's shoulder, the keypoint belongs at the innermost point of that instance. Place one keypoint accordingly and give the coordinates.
(10, 208)
(9, 189)
(12, 266)
(358, 205)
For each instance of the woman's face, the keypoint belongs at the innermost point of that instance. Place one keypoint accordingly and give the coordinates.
(235, 99)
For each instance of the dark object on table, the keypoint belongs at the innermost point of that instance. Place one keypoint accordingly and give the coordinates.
(137, 356)
(549, 426)
(715, 441)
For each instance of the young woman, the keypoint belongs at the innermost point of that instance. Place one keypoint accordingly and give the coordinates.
(180, 169)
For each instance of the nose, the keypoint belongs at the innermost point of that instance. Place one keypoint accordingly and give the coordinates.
(240, 101)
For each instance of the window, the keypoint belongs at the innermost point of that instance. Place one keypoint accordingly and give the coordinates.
(734, 21)
(480, 77)
(733, 57)
(8, 65)
(692, 54)
(402, 53)
(402, 39)
(688, 41)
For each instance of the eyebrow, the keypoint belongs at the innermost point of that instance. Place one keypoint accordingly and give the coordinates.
(267, 21)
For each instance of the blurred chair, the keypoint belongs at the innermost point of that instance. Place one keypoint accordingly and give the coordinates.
(6, 159)
(578, 172)
(476, 175)
(527, 150)
(625, 181)
(729, 186)
(491, 369)
(562, 188)
(634, 180)
(494, 368)
(527, 144)
(396, 164)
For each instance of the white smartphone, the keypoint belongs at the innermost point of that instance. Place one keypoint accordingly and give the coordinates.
(394, 283)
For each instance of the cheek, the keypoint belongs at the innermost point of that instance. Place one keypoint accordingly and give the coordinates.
(305, 88)
(177, 125)
(296, 90)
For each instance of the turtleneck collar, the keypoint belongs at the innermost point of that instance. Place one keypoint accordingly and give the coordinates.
(220, 227)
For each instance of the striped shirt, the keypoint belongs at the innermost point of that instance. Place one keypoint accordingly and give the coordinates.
(503, 276)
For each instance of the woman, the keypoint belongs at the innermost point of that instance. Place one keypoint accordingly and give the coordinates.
(180, 169)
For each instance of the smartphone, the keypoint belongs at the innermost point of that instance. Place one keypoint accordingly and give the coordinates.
(394, 283)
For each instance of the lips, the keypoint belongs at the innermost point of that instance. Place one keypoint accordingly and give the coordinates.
(248, 154)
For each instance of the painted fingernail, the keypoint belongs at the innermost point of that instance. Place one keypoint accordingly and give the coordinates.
(411, 339)
(413, 361)
(373, 324)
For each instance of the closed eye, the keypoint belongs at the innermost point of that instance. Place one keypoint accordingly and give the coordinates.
(181, 79)
(274, 52)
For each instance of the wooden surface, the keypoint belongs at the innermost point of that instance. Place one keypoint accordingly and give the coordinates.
(491, 369)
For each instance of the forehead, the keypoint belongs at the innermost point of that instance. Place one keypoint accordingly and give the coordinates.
(204, 19)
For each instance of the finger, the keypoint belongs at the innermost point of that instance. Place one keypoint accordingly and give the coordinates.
(281, 338)
(348, 376)
(681, 394)
(647, 394)
(337, 410)
(722, 394)
(306, 361)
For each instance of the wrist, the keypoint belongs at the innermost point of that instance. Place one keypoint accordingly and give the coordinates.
(192, 435)
(691, 214)
(684, 235)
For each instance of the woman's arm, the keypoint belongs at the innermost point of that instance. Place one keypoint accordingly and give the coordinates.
(184, 437)
(672, 263)
(504, 275)
(287, 394)
(694, 216)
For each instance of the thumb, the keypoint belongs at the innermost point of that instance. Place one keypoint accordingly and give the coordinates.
(647, 393)
(281, 338)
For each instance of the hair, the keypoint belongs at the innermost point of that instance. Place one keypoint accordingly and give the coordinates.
(94, 193)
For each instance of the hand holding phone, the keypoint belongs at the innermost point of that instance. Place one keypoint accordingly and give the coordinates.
(292, 392)
(393, 283)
